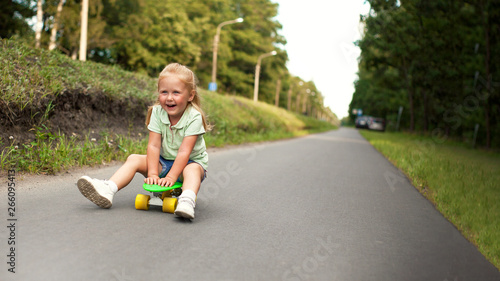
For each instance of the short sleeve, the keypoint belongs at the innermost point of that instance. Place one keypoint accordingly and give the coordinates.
(195, 126)
(154, 123)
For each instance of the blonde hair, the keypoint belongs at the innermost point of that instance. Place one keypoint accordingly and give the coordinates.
(188, 77)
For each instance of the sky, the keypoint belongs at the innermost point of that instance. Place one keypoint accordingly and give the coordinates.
(320, 38)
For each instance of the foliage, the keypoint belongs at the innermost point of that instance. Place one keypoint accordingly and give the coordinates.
(12, 15)
(145, 35)
(435, 59)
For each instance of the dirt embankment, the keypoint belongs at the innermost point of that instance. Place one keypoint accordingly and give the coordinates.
(73, 112)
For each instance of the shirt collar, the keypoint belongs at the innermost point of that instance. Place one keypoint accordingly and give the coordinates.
(182, 122)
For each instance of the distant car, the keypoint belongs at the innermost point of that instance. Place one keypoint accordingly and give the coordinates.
(362, 122)
(376, 124)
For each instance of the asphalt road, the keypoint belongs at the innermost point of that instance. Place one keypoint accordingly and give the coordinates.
(322, 207)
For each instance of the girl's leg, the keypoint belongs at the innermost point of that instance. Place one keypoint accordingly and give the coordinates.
(135, 164)
(101, 192)
(192, 174)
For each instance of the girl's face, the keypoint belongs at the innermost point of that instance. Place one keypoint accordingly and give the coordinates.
(174, 97)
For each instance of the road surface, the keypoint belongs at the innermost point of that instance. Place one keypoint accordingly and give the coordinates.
(322, 207)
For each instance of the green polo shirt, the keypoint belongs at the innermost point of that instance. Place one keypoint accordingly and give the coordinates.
(190, 124)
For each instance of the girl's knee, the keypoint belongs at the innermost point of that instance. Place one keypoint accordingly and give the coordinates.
(193, 170)
(137, 162)
(136, 158)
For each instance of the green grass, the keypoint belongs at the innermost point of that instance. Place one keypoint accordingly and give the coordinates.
(51, 153)
(235, 121)
(31, 79)
(29, 75)
(463, 184)
(238, 120)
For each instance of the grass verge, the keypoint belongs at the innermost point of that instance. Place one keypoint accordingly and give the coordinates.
(462, 183)
(50, 153)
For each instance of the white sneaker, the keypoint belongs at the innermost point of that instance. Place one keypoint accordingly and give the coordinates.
(97, 191)
(185, 208)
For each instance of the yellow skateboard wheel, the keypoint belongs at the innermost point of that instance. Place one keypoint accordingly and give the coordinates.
(167, 193)
(169, 205)
(142, 202)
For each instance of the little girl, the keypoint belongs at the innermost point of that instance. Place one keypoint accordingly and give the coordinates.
(176, 148)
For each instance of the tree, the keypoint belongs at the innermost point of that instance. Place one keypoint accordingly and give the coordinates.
(386, 65)
(39, 24)
(83, 30)
(55, 26)
(438, 53)
(160, 32)
(13, 15)
(145, 35)
(100, 37)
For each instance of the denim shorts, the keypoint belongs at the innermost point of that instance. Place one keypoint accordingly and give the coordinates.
(166, 165)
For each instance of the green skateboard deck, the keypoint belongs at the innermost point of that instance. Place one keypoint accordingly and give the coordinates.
(158, 188)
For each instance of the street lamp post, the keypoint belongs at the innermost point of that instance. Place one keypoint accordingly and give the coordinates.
(213, 84)
(257, 74)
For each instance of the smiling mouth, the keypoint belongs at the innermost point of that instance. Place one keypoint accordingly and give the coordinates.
(171, 106)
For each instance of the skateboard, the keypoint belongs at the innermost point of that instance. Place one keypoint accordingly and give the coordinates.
(163, 196)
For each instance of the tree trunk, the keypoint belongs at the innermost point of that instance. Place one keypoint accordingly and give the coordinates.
(487, 31)
(412, 110)
(410, 91)
(278, 89)
(83, 32)
(53, 34)
(297, 103)
(289, 103)
(39, 24)
(426, 110)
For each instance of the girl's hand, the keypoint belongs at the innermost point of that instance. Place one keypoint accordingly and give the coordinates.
(152, 180)
(167, 181)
